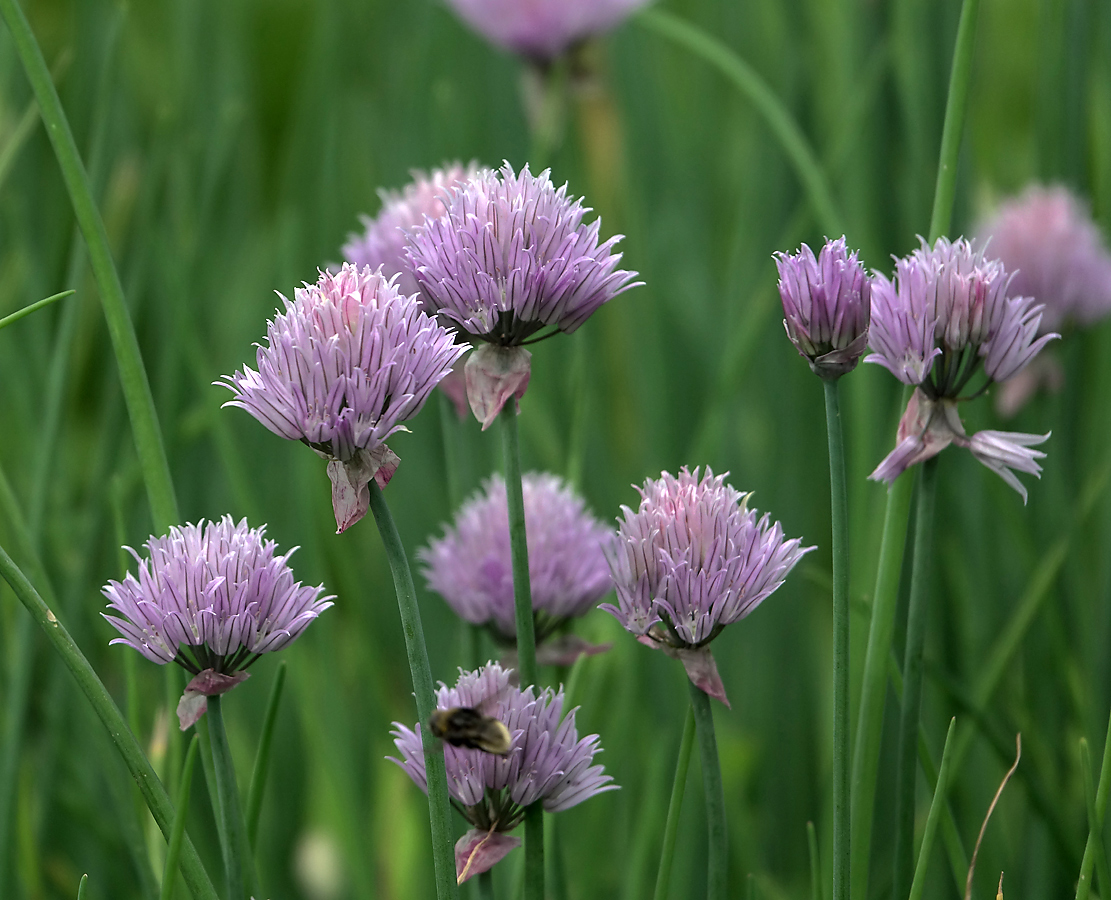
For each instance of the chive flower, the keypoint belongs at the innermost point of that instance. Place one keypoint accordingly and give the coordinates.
(542, 30)
(347, 363)
(547, 763)
(826, 306)
(212, 597)
(510, 257)
(690, 560)
(945, 321)
(470, 565)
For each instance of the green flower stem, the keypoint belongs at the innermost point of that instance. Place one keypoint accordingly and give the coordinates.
(133, 377)
(443, 852)
(37, 305)
(522, 589)
(934, 817)
(839, 506)
(906, 771)
(534, 851)
(815, 862)
(717, 878)
(105, 707)
(777, 117)
(674, 807)
(486, 885)
(960, 76)
(1095, 824)
(262, 757)
(869, 729)
(1095, 831)
(238, 866)
(177, 831)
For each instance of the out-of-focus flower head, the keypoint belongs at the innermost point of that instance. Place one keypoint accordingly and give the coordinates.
(946, 318)
(542, 30)
(211, 597)
(690, 560)
(1046, 236)
(547, 762)
(382, 242)
(826, 305)
(511, 256)
(344, 366)
(470, 566)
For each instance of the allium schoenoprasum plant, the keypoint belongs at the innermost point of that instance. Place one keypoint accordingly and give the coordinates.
(200, 156)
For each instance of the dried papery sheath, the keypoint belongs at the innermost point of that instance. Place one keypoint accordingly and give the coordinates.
(470, 567)
(542, 29)
(547, 763)
(347, 363)
(511, 257)
(690, 560)
(826, 306)
(947, 323)
(211, 597)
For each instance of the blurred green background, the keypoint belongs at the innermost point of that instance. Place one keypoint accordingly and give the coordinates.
(232, 146)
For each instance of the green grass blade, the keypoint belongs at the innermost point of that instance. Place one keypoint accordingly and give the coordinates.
(177, 830)
(27, 310)
(936, 806)
(262, 758)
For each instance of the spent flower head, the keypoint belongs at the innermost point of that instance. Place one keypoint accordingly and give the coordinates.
(946, 319)
(690, 560)
(470, 565)
(547, 763)
(826, 306)
(542, 30)
(510, 257)
(344, 366)
(211, 597)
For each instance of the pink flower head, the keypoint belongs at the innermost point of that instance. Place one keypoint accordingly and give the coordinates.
(470, 565)
(692, 559)
(344, 366)
(1046, 236)
(511, 256)
(211, 597)
(542, 29)
(826, 306)
(547, 762)
(946, 316)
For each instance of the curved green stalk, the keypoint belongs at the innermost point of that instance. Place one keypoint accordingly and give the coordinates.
(443, 852)
(37, 305)
(177, 832)
(133, 377)
(717, 877)
(1095, 823)
(768, 105)
(262, 757)
(956, 104)
(674, 807)
(934, 817)
(108, 713)
(238, 866)
(906, 771)
(82, 887)
(1084, 884)
(839, 506)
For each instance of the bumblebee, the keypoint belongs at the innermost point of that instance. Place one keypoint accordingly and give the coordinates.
(464, 726)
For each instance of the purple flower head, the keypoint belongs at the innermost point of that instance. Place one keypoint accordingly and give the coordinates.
(547, 762)
(382, 242)
(947, 314)
(1048, 239)
(511, 256)
(692, 559)
(344, 366)
(470, 565)
(542, 29)
(212, 597)
(826, 304)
